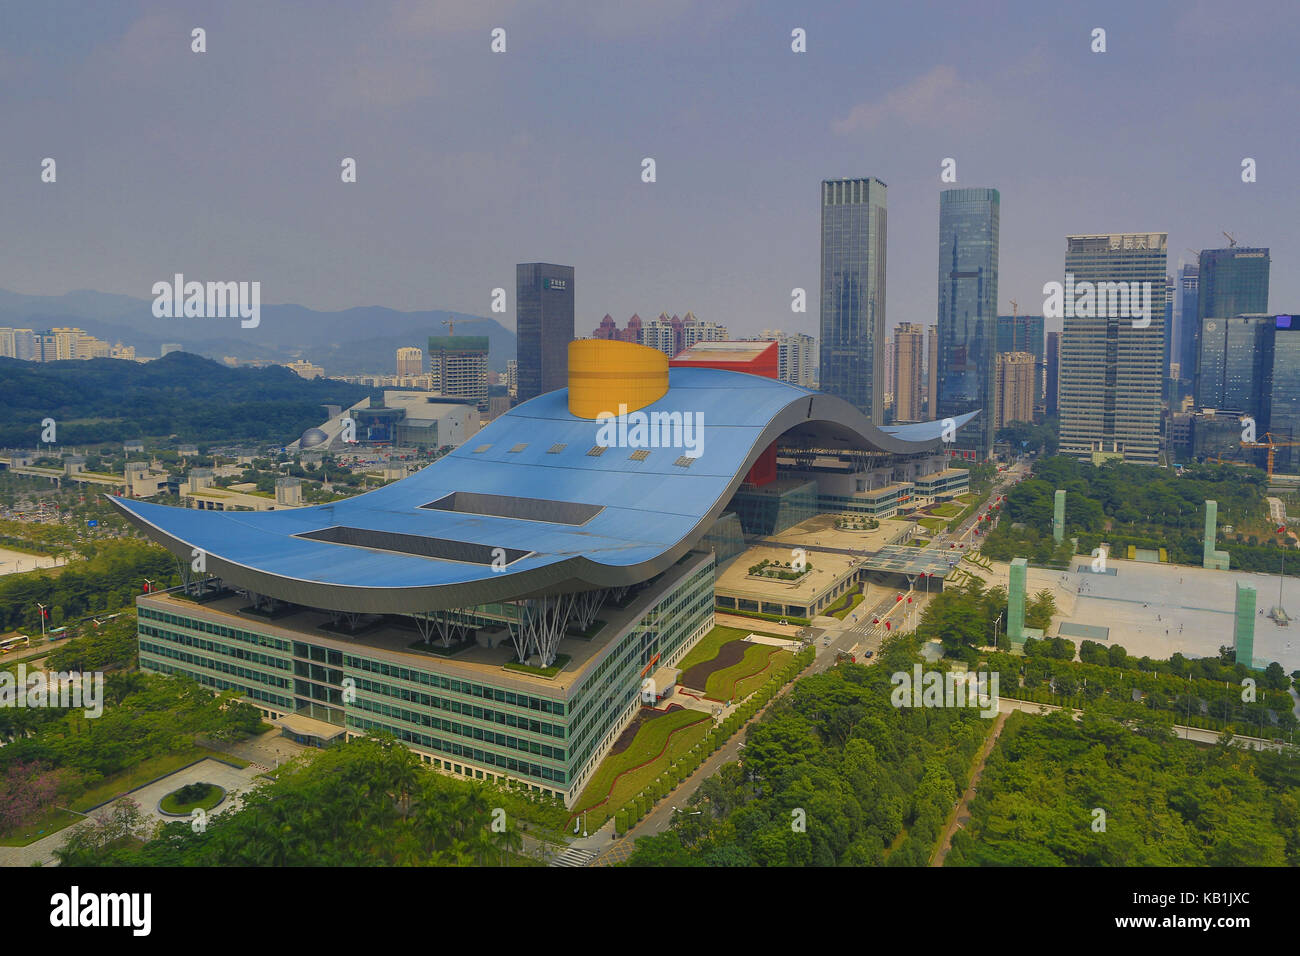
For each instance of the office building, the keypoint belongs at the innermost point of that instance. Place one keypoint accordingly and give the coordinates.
(932, 372)
(909, 384)
(854, 232)
(394, 611)
(1187, 328)
(969, 222)
(544, 294)
(1233, 363)
(1051, 398)
(1282, 417)
(458, 366)
(1112, 374)
(1230, 282)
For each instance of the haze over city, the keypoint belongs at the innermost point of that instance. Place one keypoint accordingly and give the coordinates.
(226, 165)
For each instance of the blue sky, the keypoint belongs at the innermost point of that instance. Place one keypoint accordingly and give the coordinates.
(225, 165)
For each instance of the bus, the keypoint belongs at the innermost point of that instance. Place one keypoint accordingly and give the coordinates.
(7, 644)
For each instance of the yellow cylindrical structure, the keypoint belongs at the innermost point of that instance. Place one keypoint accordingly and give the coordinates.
(604, 375)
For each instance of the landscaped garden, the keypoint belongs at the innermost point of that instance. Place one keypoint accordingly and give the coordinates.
(856, 523)
(775, 569)
(191, 797)
(648, 746)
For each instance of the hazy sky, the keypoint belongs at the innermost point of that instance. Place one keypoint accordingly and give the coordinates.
(226, 165)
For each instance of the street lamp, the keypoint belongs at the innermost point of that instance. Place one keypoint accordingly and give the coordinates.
(42, 610)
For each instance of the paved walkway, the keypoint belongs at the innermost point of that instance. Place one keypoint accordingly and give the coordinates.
(233, 779)
(266, 751)
(961, 815)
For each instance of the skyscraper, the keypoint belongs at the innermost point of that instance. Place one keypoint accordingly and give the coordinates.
(544, 296)
(1283, 389)
(1230, 282)
(909, 346)
(1111, 362)
(458, 365)
(1187, 337)
(969, 221)
(1053, 362)
(854, 230)
(1233, 363)
(931, 372)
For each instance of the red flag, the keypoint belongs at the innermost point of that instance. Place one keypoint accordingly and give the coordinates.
(1281, 529)
(44, 613)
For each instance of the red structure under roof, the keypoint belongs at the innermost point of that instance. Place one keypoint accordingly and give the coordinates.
(753, 358)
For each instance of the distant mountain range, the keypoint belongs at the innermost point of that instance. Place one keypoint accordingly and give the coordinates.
(354, 341)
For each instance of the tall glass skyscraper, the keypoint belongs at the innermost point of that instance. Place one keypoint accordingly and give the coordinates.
(853, 293)
(1112, 369)
(544, 297)
(1233, 363)
(1188, 331)
(1283, 420)
(969, 221)
(1231, 282)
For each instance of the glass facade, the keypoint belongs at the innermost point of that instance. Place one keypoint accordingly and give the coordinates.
(544, 311)
(548, 735)
(854, 230)
(1229, 282)
(776, 506)
(1233, 363)
(969, 223)
(1187, 337)
(1284, 393)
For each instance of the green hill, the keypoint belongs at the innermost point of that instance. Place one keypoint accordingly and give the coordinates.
(193, 398)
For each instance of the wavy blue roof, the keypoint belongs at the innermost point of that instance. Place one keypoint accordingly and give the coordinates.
(648, 513)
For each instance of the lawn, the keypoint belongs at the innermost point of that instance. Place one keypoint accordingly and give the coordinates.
(747, 685)
(51, 821)
(621, 776)
(555, 668)
(145, 772)
(734, 681)
(933, 525)
(709, 645)
(843, 606)
(948, 509)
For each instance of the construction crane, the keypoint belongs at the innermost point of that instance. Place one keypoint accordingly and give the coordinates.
(1232, 240)
(1271, 444)
(451, 326)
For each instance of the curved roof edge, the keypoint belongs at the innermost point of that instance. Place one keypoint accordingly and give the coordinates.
(814, 415)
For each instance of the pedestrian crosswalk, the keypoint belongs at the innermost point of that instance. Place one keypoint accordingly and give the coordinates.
(574, 857)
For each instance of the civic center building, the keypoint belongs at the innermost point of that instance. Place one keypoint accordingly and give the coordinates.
(501, 610)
